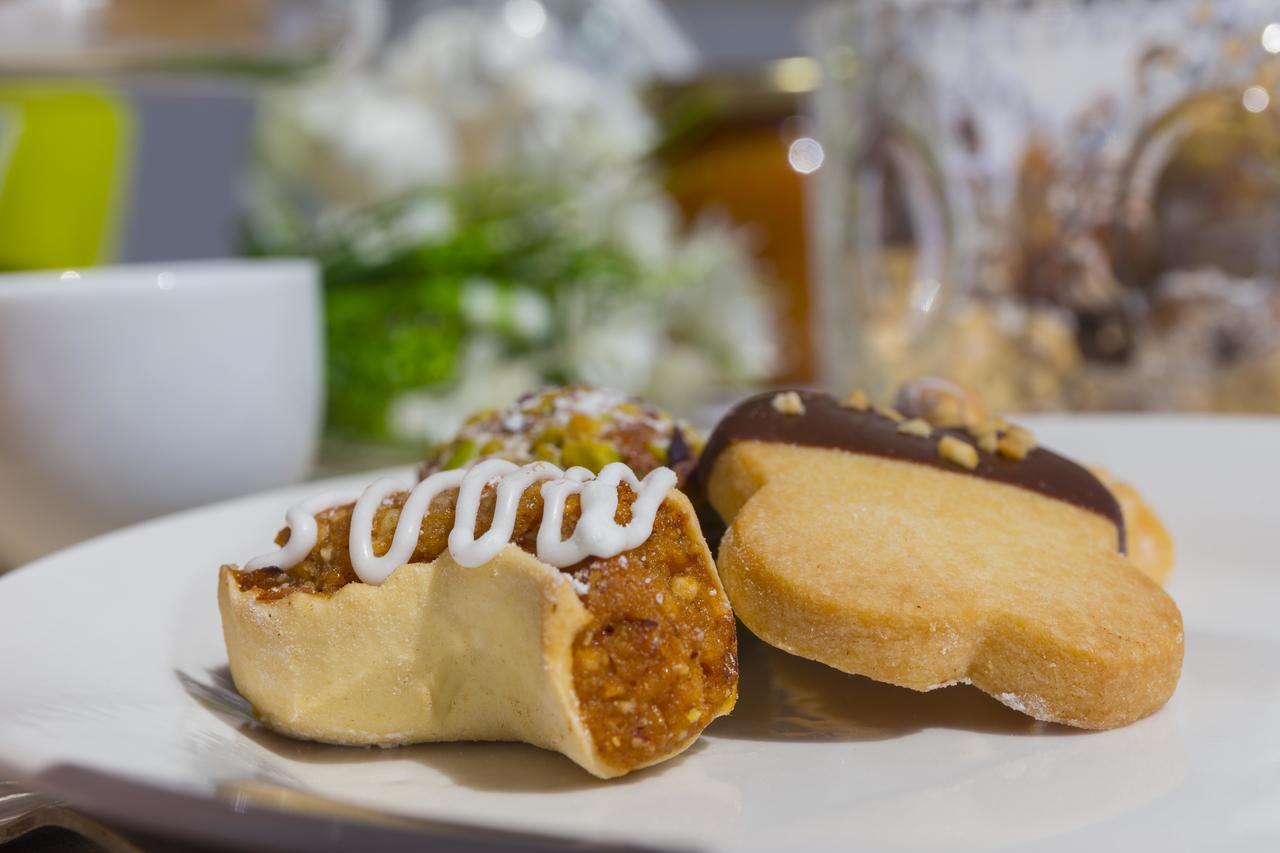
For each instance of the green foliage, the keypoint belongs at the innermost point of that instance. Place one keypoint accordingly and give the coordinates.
(387, 334)
(395, 318)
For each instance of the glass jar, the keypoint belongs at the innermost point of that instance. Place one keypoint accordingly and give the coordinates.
(1063, 203)
(737, 146)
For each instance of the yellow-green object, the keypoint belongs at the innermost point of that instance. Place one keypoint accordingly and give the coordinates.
(592, 455)
(64, 167)
(463, 452)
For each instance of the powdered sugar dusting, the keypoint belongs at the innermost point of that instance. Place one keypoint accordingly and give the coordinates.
(1033, 706)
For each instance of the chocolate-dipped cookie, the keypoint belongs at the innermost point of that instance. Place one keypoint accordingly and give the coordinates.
(884, 546)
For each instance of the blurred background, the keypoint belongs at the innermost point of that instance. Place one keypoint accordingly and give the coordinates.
(1065, 204)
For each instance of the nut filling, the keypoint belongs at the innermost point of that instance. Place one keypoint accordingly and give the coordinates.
(657, 660)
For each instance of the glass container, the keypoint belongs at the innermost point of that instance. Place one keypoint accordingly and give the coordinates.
(1063, 203)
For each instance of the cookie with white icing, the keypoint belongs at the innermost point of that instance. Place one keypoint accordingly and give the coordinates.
(922, 557)
(577, 613)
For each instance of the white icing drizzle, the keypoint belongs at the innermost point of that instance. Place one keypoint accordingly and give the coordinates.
(596, 534)
(301, 521)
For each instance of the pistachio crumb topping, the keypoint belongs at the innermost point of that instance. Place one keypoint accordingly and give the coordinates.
(573, 425)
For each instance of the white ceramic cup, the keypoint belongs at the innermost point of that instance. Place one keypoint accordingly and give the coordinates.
(132, 391)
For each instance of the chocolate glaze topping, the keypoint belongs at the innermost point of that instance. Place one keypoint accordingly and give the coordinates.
(826, 423)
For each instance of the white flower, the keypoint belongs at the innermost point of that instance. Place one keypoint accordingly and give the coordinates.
(464, 60)
(474, 90)
(359, 141)
(646, 228)
(487, 380)
(480, 302)
(518, 311)
(681, 378)
(423, 221)
(530, 313)
(564, 116)
(617, 349)
(623, 206)
(718, 304)
(372, 245)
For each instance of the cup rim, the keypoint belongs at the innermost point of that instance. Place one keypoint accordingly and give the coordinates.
(159, 276)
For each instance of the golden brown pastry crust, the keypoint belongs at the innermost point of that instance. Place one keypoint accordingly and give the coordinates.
(504, 651)
(437, 652)
(1150, 544)
(921, 577)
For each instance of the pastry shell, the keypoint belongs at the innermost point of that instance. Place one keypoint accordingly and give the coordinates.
(438, 652)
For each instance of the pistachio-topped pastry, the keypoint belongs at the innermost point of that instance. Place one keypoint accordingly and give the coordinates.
(577, 425)
(577, 612)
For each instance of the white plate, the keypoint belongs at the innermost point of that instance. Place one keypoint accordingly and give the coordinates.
(112, 670)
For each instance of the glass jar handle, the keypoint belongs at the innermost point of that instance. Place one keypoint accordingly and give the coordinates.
(924, 222)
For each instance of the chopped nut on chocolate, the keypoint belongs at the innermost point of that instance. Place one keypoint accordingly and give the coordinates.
(988, 442)
(788, 403)
(959, 452)
(941, 402)
(1011, 449)
(1021, 433)
(890, 413)
(1016, 443)
(917, 427)
(986, 436)
(857, 400)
